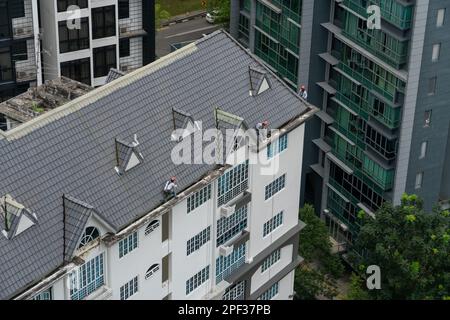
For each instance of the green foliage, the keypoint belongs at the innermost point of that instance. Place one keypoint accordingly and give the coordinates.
(36, 108)
(412, 248)
(223, 7)
(160, 14)
(356, 291)
(310, 283)
(315, 243)
(315, 248)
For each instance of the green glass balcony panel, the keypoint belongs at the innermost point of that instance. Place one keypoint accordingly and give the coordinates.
(291, 8)
(277, 56)
(396, 12)
(383, 177)
(346, 212)
(279, 27)
(244, 29)
(365, 104)
(246, 5)
(378, 42)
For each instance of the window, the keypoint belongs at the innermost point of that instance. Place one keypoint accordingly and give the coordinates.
(17, 9)
(6, 69)
(73, 39)
(440, 18)
(228, 264)
(5, 26)
(124, 9)
(227, 228)
(166, 261)
(90, 234)
(275, 186)
(270, 293)
(419, 179)
(124, 48)
(436, 52)
(232, 183)
(64, 4)
(198, 240)
(198, 198)
(235, 292)
(427, 118)
(128, 289)
(78, 70)
(198, 279)
(128, 244)
(273, 223)
(151, 226)
(151, 271)
(87, 278)
(423, 149)
(271, 260)
(432, 86)
(104, 60)
(44, 295)
(277, 146)
(19, 51)
(103, 22)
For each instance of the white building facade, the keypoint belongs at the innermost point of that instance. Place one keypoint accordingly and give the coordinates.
(84, 39)
(235, 238)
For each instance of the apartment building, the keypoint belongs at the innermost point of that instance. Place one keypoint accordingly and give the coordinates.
(271, 30)
(19, 64)
(383, 127)
(83, 211)
(84, 39)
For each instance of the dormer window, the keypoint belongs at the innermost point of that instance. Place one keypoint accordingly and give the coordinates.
(183, 124)
(90, 234)
(15, 217)
(127, 155)
(258, 81)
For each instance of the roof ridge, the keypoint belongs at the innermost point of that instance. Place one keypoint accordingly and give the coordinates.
(94, 95)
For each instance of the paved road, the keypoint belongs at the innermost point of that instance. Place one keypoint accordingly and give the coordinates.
(180, 32)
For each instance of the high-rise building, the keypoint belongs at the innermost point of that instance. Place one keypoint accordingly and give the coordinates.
(19, 29)
(384, 124)
(83, 213)
(84, 39)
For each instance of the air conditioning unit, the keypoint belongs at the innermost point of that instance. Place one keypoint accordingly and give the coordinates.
(124, 68)
(225, 250)
(123, 29)
(226, 211)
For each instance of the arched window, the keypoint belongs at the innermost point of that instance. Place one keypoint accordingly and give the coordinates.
(151, 270)
(151, 226)
(90, 234)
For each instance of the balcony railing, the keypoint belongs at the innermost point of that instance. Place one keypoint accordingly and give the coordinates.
(391, 10)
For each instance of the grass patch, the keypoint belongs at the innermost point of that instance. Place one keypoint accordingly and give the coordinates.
(176, 7)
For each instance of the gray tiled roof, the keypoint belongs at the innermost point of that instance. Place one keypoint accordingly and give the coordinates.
(72, 151)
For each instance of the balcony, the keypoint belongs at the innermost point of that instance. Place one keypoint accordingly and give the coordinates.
(392, 11)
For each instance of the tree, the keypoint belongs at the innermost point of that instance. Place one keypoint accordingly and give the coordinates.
(223, 8)
(160, 14)
(315, 245)
(316, 277)
(412, 249)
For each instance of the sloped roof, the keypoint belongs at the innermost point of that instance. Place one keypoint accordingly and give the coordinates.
(71, 150)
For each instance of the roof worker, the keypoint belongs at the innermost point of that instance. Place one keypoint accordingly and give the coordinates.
(261, 128)
(303, 93)
(169, 188)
